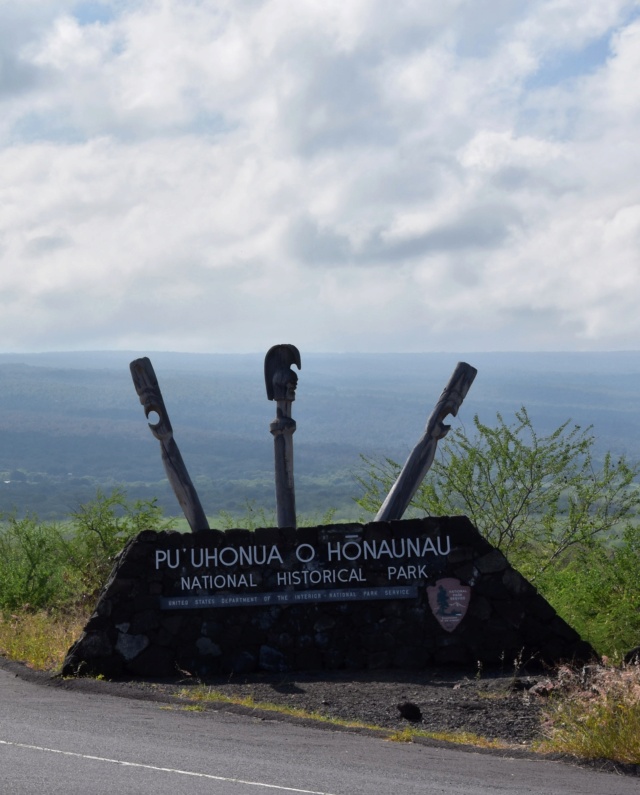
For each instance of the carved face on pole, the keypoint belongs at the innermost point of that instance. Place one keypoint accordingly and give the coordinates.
(285, 381)
(280, 379)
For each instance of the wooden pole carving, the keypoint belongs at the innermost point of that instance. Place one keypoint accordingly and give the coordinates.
(422, 455)
(281, 384)
(148, 389)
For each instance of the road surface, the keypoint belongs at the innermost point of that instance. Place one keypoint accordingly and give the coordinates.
(54, 740)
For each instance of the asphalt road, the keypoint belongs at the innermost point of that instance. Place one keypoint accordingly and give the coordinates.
(58, 741)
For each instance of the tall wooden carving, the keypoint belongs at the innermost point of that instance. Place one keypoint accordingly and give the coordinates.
(281, 382)
(148, 389)
(422, 455)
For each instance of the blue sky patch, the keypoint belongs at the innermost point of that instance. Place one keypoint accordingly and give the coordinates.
(569, 64)
(37, 127)
(94, 11)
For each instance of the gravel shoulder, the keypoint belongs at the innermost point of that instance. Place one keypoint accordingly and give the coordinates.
(495, 705)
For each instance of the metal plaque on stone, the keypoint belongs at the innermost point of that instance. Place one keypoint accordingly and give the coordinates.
(449, 600)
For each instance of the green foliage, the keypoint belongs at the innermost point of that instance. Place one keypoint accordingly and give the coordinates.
(254, 516)
(33, 571)
(534, 497)
(597, 593)
(40, 638)
(319, 519)
(43, 567)
(101, 528)
(249, 519)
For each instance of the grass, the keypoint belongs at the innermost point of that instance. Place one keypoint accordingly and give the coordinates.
(591, 717)
(409, 734)
(596, 716)
(40, 639)
(205, 694)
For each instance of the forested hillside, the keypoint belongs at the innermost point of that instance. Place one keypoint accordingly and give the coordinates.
(72, 422)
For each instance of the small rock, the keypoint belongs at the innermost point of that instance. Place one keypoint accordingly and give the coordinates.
(410, 711)
(130, 646)
(543, 688)
(520, 683)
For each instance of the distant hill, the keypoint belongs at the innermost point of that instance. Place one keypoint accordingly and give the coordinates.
(71, 422)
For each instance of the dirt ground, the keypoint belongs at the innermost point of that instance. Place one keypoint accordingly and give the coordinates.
(494, 706)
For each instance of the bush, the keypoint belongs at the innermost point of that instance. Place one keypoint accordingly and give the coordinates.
(41, 638)
(45, 566)
(597, 593)
(33, 566)
(597, 716)
(253, 517)
(99, 531)
(533, 497)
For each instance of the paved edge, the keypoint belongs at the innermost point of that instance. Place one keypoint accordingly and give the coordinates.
(126, 688)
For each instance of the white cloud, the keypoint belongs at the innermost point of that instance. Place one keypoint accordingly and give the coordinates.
(217, 176)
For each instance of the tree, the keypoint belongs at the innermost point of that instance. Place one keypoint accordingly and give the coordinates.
(533, 497)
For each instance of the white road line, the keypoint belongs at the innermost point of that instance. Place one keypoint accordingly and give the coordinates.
(164, 769)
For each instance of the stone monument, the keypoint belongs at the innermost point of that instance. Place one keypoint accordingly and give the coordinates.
(391, 593)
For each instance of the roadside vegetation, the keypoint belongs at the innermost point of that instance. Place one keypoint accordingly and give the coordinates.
(595, 714)
(569, 523)
(51, 573)
(571, 526)
(202, 694)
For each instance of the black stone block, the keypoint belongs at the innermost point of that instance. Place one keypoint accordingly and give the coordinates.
(270, 659)
(155, 662)
(267, 535)
(242, 663)
(505, 614)
(144, 621)
(238, 537)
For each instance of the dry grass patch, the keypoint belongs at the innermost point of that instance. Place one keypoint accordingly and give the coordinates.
(409, 734)
(40, 640)
(595, 714)
(209, 695)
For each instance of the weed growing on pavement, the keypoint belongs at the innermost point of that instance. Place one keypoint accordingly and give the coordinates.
(410, 734)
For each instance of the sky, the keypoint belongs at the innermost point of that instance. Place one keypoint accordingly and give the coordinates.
(369, 175)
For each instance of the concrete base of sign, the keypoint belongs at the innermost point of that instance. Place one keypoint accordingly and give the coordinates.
(404, 594)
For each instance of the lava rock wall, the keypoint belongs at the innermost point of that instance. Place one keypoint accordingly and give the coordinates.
(404, 594)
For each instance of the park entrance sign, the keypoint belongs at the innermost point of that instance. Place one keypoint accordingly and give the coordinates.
(386, 594)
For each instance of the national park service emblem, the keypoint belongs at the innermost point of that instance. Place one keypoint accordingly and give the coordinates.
(449, 600)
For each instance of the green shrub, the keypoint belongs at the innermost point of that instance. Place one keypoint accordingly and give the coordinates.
(253, 517)
(42, 638)
(249, 519)
(533, 497)
(33, 566)
(597, 592)
(99, 531)
(566, 524)
(43, 566)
